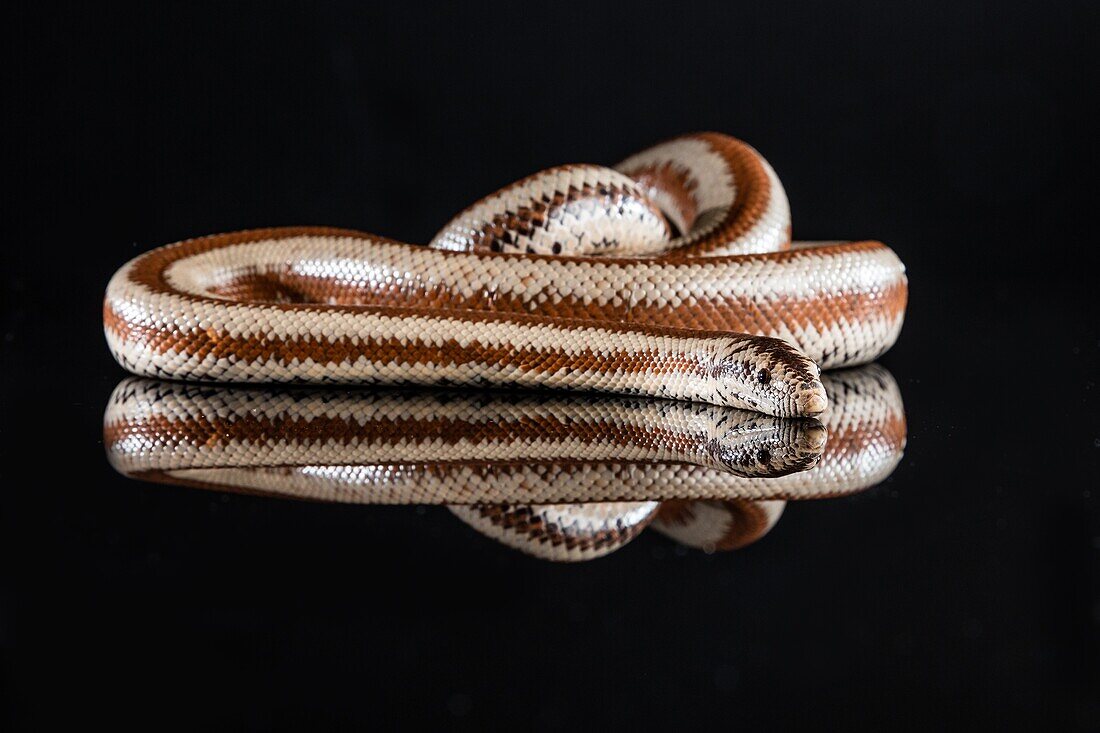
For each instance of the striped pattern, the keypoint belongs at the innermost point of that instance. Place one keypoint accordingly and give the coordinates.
(575, 209)
(530, 468)
(718, 526)
(152, 427)
(560, 532)
(728, 314)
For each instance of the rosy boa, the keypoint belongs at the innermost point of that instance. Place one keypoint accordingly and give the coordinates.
(671, 275)
(560, 477)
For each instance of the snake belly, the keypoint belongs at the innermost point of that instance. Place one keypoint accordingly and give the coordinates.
(671, 275)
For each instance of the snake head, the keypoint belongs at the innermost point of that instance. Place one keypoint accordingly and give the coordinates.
(768, 375)
(752, 445)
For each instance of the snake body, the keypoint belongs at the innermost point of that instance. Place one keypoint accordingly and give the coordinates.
(671, 275)
(560, 477)
(398, 446)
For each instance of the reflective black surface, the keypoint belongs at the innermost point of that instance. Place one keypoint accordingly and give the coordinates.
(562, 477)
(963, 592)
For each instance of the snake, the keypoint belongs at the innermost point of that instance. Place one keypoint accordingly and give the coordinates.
(669, 275)
(559, 476)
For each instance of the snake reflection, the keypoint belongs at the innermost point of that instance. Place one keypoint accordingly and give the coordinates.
(562, 478)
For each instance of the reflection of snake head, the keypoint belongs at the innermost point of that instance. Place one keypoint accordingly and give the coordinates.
(768, 375)
(758, 446)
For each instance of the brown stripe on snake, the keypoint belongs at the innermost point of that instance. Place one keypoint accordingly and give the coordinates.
(322, 305)
(718, 526)
(221, 344)
(560, 210)
(662, 170)
(791, 386)
(151, 425)
(711, 308)
(563, 532)
(672, 187)
(758, 357)
(732, 312)
(215, 431)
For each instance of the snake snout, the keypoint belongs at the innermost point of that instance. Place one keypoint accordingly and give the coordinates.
(811, 399)
(800, 379)
(812, 437)
(752, 445)
(803, 445)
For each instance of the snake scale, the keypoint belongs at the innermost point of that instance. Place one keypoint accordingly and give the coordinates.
(560, 477)
(671, 275)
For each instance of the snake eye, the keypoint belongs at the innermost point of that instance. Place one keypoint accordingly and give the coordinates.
(763, 376)
(763, 456)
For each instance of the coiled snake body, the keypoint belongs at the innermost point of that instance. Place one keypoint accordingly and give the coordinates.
(671, 275)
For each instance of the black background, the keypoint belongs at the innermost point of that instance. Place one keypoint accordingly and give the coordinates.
(965, 592)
